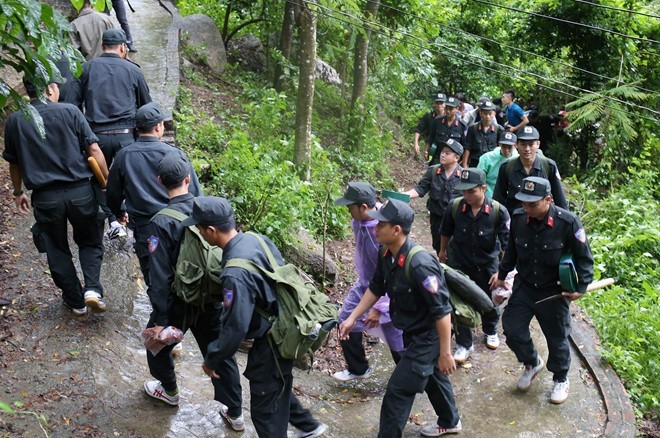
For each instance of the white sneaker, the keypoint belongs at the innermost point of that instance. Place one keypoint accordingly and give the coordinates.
(95, 302)
(78, 312)
(237, 424)
(155, 389)
(528, 375)
(345, 375)
(462, 354)
(116, 230)
(559, 392)
(178, 349)
(320, 430)
(439, 431)
(492, 341)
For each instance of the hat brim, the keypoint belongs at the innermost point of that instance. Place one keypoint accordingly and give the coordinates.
(378, 216)
(467, 186)
(440, 100)
(344, 201)
(507, 143)
(189, 221)
(525, 197)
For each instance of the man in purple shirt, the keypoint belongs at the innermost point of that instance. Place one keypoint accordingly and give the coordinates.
(360, 198)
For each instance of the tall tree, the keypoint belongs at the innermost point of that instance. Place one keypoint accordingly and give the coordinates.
(360, 73)
(286, 42)
(305, 99)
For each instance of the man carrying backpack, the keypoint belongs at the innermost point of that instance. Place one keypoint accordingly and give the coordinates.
(166, 236)
(529, 163)
(479, 228)
(420, 307)
(273, 405)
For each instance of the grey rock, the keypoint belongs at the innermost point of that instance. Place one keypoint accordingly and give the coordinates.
(327, 73)
(248, 51)
(308, 255)
(200, 41)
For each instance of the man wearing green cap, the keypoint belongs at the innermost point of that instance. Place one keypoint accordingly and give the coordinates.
(541, 233)
(420, 307)
(490, 162)
(480, 231)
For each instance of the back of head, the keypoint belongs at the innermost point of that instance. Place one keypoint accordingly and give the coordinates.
(173, 169)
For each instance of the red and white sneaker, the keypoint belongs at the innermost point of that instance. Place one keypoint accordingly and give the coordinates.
(154, 389)
(439, 430)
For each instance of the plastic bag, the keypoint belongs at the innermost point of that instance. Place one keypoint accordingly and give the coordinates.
(501, 294)
(155, 342)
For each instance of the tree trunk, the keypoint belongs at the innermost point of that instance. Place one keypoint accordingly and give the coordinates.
(286, 42)
(360, 73)
(305, 100)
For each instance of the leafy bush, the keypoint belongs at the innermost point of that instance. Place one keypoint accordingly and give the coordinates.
(625, 240)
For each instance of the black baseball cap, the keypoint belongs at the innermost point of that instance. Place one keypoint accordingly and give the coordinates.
(357, 193)
(483, 98)
(210, 210)
(149, 115)
(528, 133)
(453, 145)
(112, 37)
(440, 97)
(173, 168)
(508, 138)
(395, 212)
(470, 178)
(487, 106)
(452, 102)
(533, 189)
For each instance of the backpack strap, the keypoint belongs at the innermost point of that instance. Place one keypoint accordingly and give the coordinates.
(271, 258)
(174, 214)
(545, 165)
(454, 207)
(254, 268)
(414, 250)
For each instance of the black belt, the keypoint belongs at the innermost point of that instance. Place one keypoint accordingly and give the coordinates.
(117, 131)
(63, 185)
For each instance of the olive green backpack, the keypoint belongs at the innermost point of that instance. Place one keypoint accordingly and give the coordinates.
(305, 315)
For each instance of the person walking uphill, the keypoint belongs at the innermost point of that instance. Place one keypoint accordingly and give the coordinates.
(478, 229)
(166, 234)
(360, 198)
(55, 168)
(541, 234)
(440, 182)
(420, 307)
(272, 402)
(134, 179)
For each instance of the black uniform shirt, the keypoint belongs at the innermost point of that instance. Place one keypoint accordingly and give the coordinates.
(480, 140)
(415, 305)
(441, 190)
(60, 158)
(477, 241)
(424, 124)
(243, 290)
(111, 89)
(166, 234)
(441, 131)
(509, 183)
(134, 177)
(535, 248)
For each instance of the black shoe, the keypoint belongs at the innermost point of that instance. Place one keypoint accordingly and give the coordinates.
(131, 48)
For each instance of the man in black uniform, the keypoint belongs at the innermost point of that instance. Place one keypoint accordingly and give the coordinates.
(541, 233)
(272, 402)
(482, 136)
(424, 123)
(55, 169)
(480, 232)
(166, 235)
(110, 90)
(444, 128)
(134, 178)
(419, 305)
(440, 183)
(528, 163)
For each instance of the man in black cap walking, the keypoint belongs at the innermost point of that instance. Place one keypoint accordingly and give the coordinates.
(273, 404)
(134, 179)
(450, 126)
(542, 235)
(424, 124)
(440, 183)
(166, 234)
(110, 90)
(482, 136)
(55, 168)
(420, 307)
(528, 163)
(479, 228)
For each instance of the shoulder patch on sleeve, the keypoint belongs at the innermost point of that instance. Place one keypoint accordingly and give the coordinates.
(228, 297)
(581, 235)
(431, 284)
(152, 244)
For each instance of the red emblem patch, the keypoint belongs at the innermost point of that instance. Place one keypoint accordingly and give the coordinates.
(401, 260)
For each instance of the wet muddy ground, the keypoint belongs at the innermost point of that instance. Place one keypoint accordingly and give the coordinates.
(85, 375)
